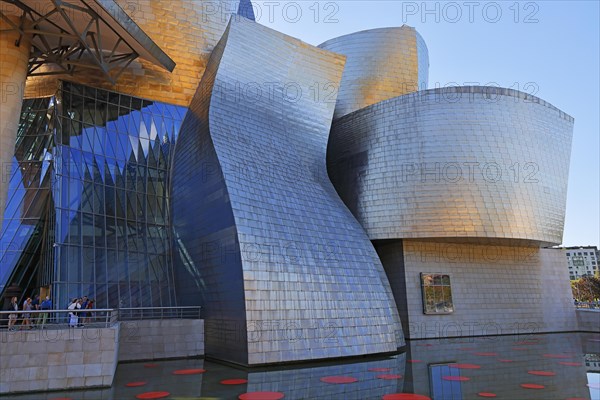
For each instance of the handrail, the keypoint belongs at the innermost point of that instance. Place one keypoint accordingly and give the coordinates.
(587, 304)
(82, 317)
(94, 317)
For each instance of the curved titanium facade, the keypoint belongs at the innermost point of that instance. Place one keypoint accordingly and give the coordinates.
(283, 269)
(474, 163)
(381, 64)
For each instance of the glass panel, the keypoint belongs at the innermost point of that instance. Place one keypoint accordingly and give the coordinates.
(437, 294)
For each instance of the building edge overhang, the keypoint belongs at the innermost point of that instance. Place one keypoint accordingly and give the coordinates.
(490, 91)
(471, 240)
(149, 50)
(367, 31)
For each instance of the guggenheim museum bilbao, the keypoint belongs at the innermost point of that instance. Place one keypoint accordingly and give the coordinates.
(317, 202)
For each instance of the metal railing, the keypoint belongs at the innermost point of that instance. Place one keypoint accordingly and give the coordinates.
(45, 319)
(188, 312)
(89, 318)
(588, 304)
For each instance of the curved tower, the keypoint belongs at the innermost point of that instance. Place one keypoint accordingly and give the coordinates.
(471, 164)
(284, 271)
(381, 64)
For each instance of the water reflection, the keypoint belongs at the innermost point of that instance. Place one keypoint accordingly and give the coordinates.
(553, 366)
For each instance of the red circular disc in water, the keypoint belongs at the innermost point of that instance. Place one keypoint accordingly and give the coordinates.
(339, 379)
(192, 371)
(136, 384)
(486, 354)
(455, 378)
(261, 396)
(532, 386)
(570, 364)
(465, 366)
(150, 365)
(541, 373)
(414, 361)
(486, 394)
(389, 376)
(505, 360)
(379, 369)
(557, 356)
(152, 395)
(233, 381)
(405, 396)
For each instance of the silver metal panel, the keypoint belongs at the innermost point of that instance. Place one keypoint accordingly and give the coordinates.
(291, 263)
(473, 163)
(381, 64)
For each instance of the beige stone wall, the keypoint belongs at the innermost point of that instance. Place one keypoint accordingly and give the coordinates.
(186, 30)
(588, 320)
(160, 339)
(13, 70)
(57, 359)
(495, 289)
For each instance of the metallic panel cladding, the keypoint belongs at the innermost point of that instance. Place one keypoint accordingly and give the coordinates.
(481, 164)
(265, 233)
(381, 64)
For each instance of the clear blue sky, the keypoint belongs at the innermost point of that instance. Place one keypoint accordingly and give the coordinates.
(554, 44)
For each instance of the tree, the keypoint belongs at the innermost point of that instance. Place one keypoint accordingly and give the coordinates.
(586, 288)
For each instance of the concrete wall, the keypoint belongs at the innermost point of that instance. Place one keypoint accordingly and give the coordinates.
(588, 320)
(159, 339)
(495, 289)
(57, 359)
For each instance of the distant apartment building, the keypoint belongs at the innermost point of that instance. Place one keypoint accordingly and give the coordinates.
(583, 261)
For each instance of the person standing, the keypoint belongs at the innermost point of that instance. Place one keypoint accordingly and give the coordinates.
(73, 318)
(88, 314)
(83, 315)
(35, 306)
(46, 305)
(26, 314)
(12, 318)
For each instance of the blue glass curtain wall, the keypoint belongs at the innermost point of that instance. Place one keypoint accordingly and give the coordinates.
(29, 182)
(104, 158)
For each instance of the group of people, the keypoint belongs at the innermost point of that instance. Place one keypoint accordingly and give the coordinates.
(80, 318)
(29, 320)
(79, 312)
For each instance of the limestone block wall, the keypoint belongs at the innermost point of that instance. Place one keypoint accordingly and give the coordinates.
(495, 289)
(588, 320)
(160, 339)
(44, 360)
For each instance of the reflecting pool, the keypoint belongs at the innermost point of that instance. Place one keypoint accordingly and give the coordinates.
(541, 367)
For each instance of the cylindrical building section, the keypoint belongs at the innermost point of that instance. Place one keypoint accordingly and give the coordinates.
(14, 58)
(475, 164)
(381, 64)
